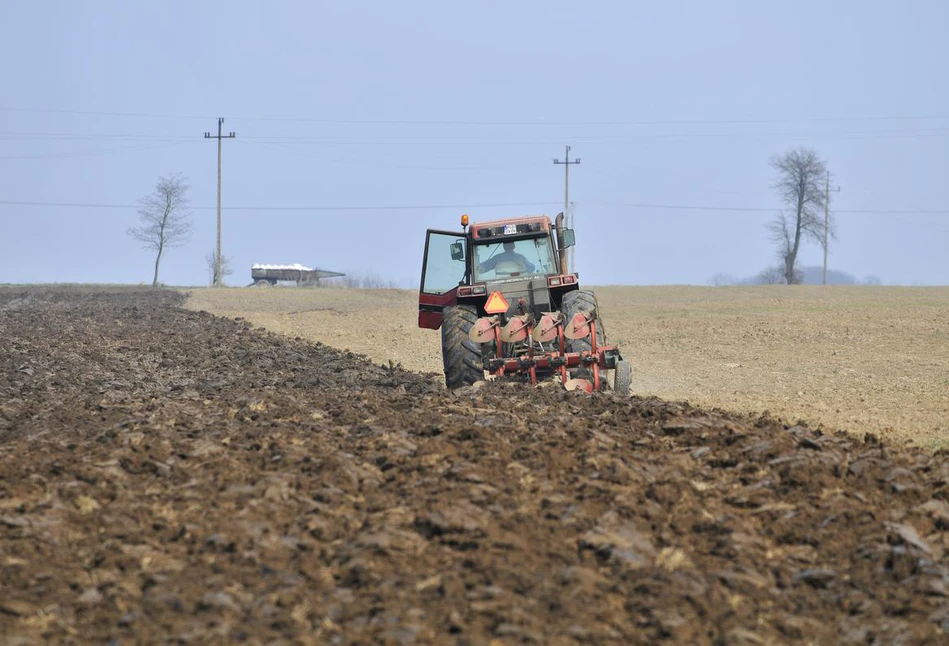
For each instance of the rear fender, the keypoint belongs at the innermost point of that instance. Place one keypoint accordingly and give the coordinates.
(430, 308)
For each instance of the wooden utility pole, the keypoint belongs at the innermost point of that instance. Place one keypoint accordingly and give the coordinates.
(218, 278)
(566, 194)
(827, 190)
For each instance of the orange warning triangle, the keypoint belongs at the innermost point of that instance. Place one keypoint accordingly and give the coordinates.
(496, 304)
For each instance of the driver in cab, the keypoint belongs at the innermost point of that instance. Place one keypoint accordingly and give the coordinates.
(507, 256)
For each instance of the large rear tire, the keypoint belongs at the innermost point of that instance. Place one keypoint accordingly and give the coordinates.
(460, 355)
(582, 300)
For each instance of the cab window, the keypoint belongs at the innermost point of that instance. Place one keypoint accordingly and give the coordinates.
(524, 257)
(441, 272)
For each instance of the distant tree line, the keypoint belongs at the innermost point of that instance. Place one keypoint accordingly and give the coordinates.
(805, 275)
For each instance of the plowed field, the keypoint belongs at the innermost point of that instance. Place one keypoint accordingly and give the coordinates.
(854, 358)
(170, 476)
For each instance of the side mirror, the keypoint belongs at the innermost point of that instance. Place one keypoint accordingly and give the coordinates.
(457, 251)
(567, 238)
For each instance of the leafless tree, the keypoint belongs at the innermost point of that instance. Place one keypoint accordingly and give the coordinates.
(721, 280)
(165, 220)
(771, 276)
(800, 185)
(367, 281)
(226, 268)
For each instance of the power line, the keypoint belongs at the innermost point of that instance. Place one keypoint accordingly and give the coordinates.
(618, 138)
(693, 207)
(94, 153)
(400, 141)
(641, 122)
(95, 113)
(285, 208)
(59, 136)
(398, 207)
(282, 147)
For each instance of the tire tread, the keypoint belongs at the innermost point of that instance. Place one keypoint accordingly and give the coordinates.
(461, 357)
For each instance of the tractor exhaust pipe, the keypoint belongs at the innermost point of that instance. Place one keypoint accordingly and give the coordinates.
(561, 249)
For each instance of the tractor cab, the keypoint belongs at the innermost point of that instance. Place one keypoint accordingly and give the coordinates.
(522, 259)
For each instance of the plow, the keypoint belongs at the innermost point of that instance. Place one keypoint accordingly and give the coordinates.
(541, 348)
(509, 309)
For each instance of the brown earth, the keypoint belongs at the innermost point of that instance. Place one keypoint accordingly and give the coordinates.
(170, 476)
(859, 358)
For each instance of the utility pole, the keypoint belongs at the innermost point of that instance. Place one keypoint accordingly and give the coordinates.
(566, 193)
(218, 279)
(827, 190)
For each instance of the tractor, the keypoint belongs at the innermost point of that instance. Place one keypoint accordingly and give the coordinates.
(508, 307)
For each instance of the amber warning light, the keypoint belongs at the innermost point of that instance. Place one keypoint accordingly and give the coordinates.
(496, 304)
(464, 220)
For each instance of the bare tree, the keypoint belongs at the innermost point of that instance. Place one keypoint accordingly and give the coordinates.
(165, 220)
(721, 280)
(770, 276)
(800, 185)
(226, 268)
(367, 281)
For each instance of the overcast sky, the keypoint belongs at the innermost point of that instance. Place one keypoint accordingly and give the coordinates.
(675, 109)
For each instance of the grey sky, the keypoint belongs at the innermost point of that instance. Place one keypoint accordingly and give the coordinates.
(672, 103)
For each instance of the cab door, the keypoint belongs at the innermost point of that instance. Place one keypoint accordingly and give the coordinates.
(444, 268)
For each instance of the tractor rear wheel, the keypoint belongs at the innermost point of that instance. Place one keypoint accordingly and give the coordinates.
(582, 300)
(460, 355)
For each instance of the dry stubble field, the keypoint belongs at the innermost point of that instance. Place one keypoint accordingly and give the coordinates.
(857, 358)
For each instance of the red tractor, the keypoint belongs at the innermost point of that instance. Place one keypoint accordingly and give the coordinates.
(507, 306)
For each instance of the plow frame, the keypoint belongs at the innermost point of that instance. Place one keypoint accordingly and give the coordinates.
(558, 361)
